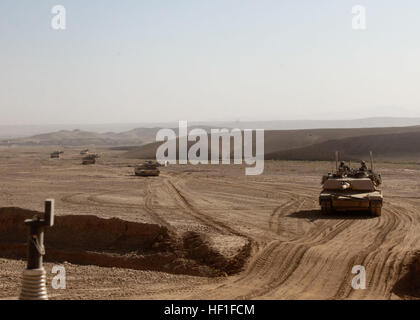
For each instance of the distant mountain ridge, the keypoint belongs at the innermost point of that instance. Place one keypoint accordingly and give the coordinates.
(396, 146)
(308, 144)
(19, 131)
(76, 138)
(86, 138)
(320, 144)
(379, 122)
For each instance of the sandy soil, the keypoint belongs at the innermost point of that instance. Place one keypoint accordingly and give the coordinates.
(289, 249)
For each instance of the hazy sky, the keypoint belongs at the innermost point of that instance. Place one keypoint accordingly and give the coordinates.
(168, 60)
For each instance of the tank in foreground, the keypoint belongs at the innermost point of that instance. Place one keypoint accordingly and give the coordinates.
(352, 190)
(147, 169)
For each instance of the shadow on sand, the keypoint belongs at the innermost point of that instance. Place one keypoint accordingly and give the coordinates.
(318, 215)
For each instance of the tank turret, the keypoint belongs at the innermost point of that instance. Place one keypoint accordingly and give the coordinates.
(90, 159)
(56, 154)
(349, 189)
(148, 168)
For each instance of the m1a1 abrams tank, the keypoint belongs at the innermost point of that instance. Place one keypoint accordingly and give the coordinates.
(90, 159)
(352, 190)
(147, 169)
(56, 154)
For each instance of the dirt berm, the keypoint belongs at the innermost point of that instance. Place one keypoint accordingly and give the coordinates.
(89, 240)
(409, 285)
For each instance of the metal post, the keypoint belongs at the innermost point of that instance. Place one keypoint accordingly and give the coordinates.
(34, 276)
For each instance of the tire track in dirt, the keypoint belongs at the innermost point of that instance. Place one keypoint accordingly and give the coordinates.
(274, 264)
(209, 221)
(388, 259)
(277, 211)
(365, 256)
(283, 188)
(148, 205)
(380, 258)
(89, 199)
(265, 260)
(292, 228)
(384, 275)
(297, 199)
(280, 260)
(266, 252)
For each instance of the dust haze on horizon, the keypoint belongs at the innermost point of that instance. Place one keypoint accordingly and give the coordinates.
(148, 62)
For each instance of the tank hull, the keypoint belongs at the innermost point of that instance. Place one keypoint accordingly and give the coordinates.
(147, 173)
(87, 162)
(345, 202)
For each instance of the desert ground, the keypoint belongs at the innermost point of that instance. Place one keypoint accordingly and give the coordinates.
(209, 231)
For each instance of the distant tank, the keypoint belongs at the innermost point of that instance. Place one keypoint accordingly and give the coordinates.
(56, 154)
(351, 190)
(90, 159)
(147, 169)
(85, 151)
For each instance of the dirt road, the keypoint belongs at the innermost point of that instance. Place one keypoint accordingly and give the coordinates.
(295, 251)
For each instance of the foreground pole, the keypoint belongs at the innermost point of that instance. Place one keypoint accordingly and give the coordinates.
(34, 276)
